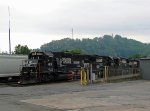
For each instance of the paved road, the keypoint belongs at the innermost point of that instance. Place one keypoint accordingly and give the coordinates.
(70, 96)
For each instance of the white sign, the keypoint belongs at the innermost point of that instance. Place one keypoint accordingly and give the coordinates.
(66, 60)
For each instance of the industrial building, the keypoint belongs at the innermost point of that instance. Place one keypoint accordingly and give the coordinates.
(145, 68)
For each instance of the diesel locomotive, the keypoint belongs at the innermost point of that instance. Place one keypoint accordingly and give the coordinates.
(54, 66)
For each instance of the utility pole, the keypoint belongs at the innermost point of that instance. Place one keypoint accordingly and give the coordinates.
(9, 31)
(112, 35)
(72, 33)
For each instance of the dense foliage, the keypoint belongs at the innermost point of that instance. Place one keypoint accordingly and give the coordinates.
(19, 49)
(74, 51)
(106, 45)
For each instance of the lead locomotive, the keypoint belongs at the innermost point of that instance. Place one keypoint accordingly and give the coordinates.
(53, 66)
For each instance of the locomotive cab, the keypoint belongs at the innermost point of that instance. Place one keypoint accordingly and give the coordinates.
(37, 68)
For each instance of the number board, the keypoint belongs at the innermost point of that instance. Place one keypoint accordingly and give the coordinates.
(66, 60)
(99, 60)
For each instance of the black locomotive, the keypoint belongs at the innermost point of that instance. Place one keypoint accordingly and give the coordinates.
(53, 66)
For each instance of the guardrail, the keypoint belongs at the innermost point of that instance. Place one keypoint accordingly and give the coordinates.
(109, 74)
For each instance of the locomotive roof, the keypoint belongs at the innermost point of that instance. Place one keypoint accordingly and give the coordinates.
(67, 54)
(50, 54)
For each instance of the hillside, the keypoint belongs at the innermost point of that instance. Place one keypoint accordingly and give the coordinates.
(106, 45)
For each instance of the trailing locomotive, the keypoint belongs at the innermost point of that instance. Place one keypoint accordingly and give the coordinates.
(53, 66)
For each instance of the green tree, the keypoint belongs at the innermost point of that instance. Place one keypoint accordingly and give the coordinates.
(136, 56)
(106, 45)
(75, 51)
(19, 49)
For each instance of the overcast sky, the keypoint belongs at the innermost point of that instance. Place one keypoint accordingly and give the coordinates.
(35, 22)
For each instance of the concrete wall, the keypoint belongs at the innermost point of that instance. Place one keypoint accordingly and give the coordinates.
(10, 64)
(145, 68)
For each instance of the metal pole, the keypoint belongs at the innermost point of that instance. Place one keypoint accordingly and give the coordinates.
(91, 75)
(72, 33)
(87, 72)
(105, 73)
(9, 31)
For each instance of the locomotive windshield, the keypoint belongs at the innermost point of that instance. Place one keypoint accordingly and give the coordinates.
(36, 55)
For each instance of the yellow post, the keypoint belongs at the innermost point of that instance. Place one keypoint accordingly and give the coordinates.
(81, 77)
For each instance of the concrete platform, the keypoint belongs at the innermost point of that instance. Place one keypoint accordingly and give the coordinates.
(127, 97)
